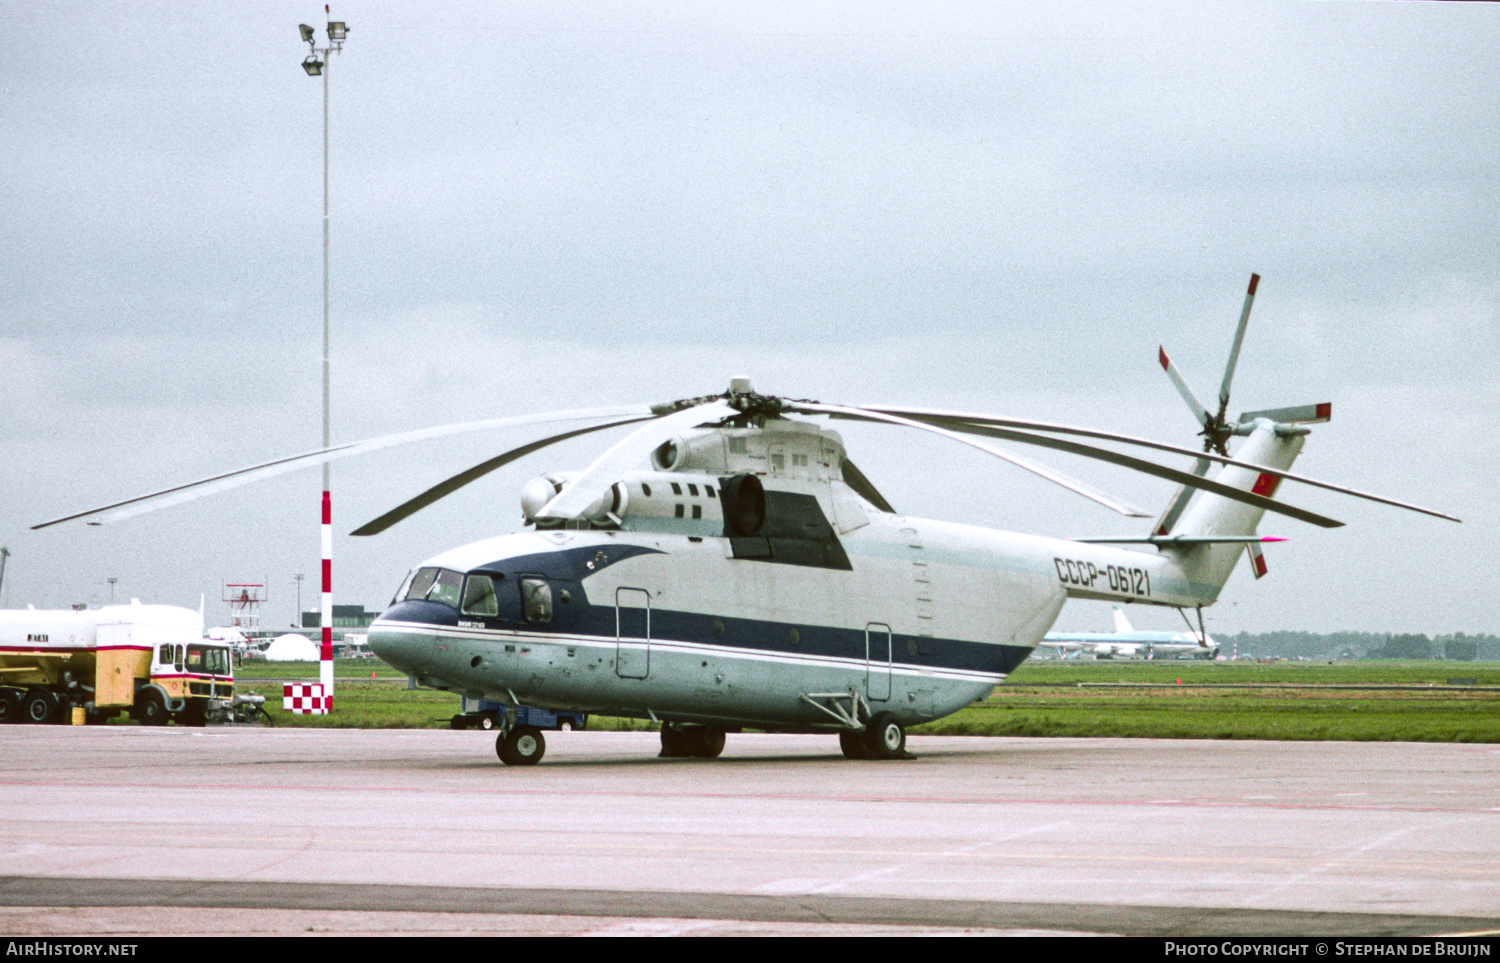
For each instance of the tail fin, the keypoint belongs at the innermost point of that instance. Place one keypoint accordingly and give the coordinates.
(1204, 515)
(1122, 624)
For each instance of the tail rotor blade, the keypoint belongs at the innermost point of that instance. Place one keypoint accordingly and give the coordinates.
(1234, 352)
(1196, 406)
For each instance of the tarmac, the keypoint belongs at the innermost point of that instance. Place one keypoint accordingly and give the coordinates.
(128, 830)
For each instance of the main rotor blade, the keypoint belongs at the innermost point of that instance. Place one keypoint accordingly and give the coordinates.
(957, 420)
(1057, 478)
(281, 466)
(443, 489)
(1112, 457)
(1234, 351)
(1196, 406)
(856, 480)
(578, 494)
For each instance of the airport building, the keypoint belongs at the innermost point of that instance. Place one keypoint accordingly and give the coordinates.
(344, 617)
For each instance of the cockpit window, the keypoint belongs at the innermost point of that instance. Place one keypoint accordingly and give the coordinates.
(479, 596)
(436, 585)
(445, 587)
(420, 583)
(405, 584)
(536, 595)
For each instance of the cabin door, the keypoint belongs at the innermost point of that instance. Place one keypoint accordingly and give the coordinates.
(878, 661)
(632, 633)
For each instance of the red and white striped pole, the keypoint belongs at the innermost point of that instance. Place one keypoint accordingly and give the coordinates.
(325, 656)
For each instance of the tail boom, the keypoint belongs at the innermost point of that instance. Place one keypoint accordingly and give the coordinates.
(1214, 531)
(1208, 565)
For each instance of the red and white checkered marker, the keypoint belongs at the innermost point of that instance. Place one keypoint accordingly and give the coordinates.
(305, 698)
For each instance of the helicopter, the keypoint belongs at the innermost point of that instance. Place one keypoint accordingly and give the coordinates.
(726, 566)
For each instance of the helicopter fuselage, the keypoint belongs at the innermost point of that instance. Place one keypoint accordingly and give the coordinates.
(919, 617)
(923, 621)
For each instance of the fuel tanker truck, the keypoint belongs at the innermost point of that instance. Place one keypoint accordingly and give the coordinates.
(149, 660)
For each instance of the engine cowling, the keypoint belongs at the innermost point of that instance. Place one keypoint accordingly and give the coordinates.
(606, 510)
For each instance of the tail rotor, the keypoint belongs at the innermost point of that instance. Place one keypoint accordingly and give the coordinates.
(1217, 429)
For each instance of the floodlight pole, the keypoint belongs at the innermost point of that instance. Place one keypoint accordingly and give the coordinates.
(337, 30)
(325, 652)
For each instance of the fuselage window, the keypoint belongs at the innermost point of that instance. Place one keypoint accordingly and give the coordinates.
(536, 595)
(646, 489)
(479, 596)
(676, 489)
(693, 490)
(446, 587)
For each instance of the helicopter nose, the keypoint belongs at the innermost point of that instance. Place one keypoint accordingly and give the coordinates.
(397, 648)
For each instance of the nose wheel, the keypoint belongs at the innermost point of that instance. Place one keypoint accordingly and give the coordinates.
(520, 746)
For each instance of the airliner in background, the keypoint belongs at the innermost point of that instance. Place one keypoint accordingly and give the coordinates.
(1126, 643)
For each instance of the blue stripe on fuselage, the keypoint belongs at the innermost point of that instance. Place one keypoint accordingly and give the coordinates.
(580, 617)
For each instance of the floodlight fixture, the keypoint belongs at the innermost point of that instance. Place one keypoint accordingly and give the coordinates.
(307, 32)
(313, 65)
(337, 31)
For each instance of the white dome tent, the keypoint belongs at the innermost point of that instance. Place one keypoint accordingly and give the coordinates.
(292, 648)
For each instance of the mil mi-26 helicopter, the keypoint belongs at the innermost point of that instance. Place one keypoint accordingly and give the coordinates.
(726, 566)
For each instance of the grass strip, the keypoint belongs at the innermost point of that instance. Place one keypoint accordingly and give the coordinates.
(1347, 701)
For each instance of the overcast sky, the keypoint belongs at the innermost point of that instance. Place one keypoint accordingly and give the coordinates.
(988, 207)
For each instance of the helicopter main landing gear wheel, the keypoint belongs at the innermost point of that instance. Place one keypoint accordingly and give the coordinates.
(521, 746)
(708, 742)
(884, 737)
(676, 743)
